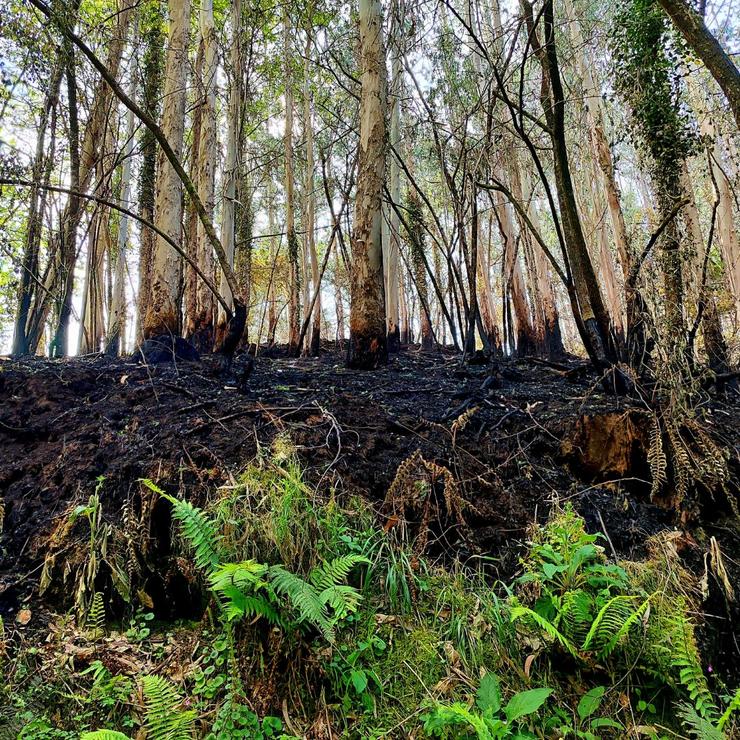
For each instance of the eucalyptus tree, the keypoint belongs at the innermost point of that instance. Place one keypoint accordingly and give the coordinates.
(368, 345)
(163, 307)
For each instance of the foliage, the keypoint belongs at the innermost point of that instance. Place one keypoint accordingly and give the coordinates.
(165, 720)
(250, 589)
(601, 615)
(609, 646)
(490, 718)
(646, 58)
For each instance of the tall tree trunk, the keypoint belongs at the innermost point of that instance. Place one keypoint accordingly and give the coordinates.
(232, 165)
(391, 253)
(203, 330)
(68, 247)
(368, 342)
(314, 343)
(116, 334)
(526, 342)
(41, 172)
(87, 155)
(190, 287)
(727, 235)
(294, 281)
(152, 62)
(591, 315)
(163, 309)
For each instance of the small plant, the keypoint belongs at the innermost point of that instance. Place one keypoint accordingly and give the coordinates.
(489, 718)
(108, 693)
(584, 725)
(352, 674)
(234, 720)
(139, 629)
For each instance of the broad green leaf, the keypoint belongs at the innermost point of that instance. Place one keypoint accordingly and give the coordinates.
(590, 701)
(359, 681)
(525, 702)
(489, 693)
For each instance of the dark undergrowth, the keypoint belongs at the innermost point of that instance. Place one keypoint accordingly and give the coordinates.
(314, 614)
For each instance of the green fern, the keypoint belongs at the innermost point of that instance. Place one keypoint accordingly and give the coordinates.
(613, 623)
(196, 529)
(304, 598)
(576, 615)
(329, 574)
(96, 615)
(698, 727)
(251, 589)
(104, 735)
(164, 718)
(545, 625)
(691, 676)
(238, 586)
(732, 707)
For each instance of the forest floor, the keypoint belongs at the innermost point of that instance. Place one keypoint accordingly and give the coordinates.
(517, 436)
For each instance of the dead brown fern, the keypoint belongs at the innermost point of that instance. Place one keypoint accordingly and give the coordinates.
(696, 461)
(414, 496)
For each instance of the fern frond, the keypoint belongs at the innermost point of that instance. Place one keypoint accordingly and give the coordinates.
(197, 530)
(690, 674)
(657, 459)
(698, 727)
(576, 615)
(164, 719)
(96, 615)
(342, 599)
(104, 735)
(545, 625)
(613, 623)
(732, 707)
(335, 571)
(304, 599)
(246, 576)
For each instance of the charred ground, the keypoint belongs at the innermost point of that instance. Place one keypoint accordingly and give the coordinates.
(517, 435)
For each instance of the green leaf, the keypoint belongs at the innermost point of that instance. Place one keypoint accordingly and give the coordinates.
(489, 693)
(359, 680)
(590, 701)
(606, 722)
(525, 702)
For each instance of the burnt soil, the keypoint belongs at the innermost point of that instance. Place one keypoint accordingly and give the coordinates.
(539, 433)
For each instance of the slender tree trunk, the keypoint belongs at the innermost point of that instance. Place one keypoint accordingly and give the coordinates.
(41, 172)
(87, 155)
(163, 309)
(190, 314)
(203, 330)
(526, 342)
(368, 346)
(68, 246)
(116, 334)
(294, 286)
(314, 343)
(233, 155)
(391, 253)
(152, 62)
(591, 316)
(727, 236)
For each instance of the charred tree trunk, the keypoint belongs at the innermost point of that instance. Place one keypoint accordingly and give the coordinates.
(368, 342)
(163, 309)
